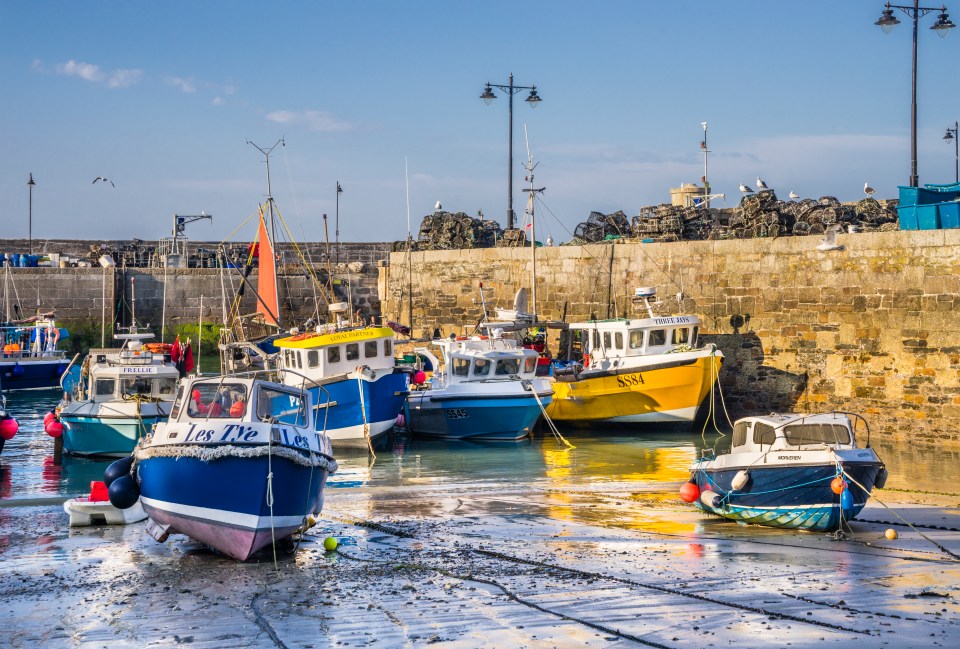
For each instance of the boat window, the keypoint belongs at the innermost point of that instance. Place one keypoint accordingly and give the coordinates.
(218, 400)
(299, 356)
(596, 340)
(606, 340)
(636, 338)
(166, 386)
(739, 434)
(353, 351)
(693, 336)
(313, 358)
(136, 386)
(281, 407)
(177, 404)
(481, 367)
(460, 366)
(799, 434)
(763, 433)
(333, 354)
(618, 340)
(506, 366)
(370, 349)
(529, 364)
(105, 387)
(387, 347)
(658, 338)
(681, 336)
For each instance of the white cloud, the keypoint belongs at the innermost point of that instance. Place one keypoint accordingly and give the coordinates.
(94, 74)
(184, 85)
(312, 119)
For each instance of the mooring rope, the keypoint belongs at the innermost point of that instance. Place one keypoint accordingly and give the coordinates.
(553, 428)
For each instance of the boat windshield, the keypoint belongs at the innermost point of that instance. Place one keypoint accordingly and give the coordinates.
(218, 400)
(281, 407)
(140, 386)
(507, 366)
(800, 434)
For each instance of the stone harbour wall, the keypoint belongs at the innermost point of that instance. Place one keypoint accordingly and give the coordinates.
(871, 328)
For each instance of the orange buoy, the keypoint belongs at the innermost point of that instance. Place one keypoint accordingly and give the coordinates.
(689, 491)
(838, 484)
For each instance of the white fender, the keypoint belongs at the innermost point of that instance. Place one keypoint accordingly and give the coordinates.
(740, 480)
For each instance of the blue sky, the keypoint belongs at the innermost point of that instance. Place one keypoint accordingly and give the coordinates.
(162, 98)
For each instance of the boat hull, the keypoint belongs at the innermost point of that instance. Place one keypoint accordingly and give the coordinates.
(87, 430)
(796, 496)
(344, 420)
(669, 391)
(31, 373)
(224, 502)
(490, 418)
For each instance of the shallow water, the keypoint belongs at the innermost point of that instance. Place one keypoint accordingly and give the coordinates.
(647, 460)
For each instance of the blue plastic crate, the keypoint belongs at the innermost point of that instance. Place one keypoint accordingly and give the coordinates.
(923, 196)
(949, 214)
(948, 187)
(907, 215)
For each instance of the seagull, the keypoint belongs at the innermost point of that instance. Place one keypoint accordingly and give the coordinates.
(761, 184)
(437, 207)
(106, 180)
(745, 189)
(794, 196)
(868, 190)
(829, 241)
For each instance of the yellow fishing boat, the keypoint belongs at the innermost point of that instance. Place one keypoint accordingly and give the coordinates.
(635, 370)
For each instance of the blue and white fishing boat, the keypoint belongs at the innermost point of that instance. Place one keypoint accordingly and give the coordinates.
(797, 471)
(485, 389)
(30, 356)
(356, 386)
(238, 466)
(116, 396)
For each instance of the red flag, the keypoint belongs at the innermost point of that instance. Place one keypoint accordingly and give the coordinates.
(175, 350)
(188, 359)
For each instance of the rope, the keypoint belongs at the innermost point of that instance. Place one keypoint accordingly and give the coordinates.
(546, 418)
(363, 411)
(269, 496)
(906, 522)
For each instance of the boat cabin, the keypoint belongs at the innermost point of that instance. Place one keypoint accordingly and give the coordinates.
(479, 358)
(125, 374)
(321, 354)
(611, 340)
(241, 399)
(792, 431)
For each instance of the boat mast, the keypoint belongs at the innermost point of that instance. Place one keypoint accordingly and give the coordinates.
(530, 166)
(406, 174)
(273, 233)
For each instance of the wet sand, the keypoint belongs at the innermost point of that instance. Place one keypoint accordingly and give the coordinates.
(492, 566)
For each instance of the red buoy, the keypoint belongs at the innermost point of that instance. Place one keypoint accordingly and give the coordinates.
(419, 377)
(47, 417)
(8, 428)
(689, 491)
(838, 484)
(54, 429)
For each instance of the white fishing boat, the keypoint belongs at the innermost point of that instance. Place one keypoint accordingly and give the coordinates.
(483, 388)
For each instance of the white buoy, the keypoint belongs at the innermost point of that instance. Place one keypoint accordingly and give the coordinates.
(710, 498)
(740, 480)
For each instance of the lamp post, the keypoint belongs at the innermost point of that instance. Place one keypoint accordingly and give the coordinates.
(337, 224)
(952, 134)
(533, 99)
(30, 185)
(943, 25)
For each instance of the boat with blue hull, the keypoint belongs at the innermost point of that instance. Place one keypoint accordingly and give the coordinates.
(356, 387)
(239, 475)
(31, 358)
(485, 389)
(796, 471)
(116, 396)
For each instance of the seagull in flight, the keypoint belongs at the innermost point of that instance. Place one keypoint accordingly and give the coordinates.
(761, 184)
(794, 195)
(106, 180)
(868, 190)
(829, 241)
(745, 189)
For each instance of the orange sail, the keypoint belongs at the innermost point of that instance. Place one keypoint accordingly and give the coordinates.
(267, 282)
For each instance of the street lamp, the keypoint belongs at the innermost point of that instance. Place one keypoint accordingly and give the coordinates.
(533, 99)
(952, 134)
(943, 25)
(337, 227)
(30, 185)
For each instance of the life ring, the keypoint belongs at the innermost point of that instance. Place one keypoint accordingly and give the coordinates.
(53, 334)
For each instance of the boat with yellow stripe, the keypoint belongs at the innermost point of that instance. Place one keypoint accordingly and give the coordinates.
(639, 370)
(356, 387)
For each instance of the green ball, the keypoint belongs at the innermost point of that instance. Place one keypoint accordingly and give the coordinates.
(330, 544)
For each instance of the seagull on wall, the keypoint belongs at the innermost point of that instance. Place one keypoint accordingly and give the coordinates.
(106, 180)
(794, 196)
(829, 241)
(868, 190)
(437, 207)
(745, 189)
(761, 184)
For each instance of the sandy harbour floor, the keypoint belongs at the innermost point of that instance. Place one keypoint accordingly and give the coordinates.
(492, 566)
